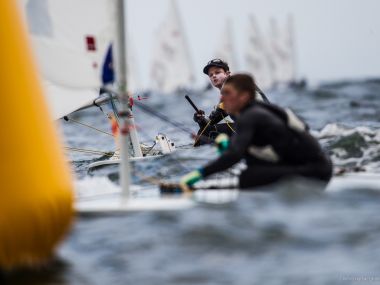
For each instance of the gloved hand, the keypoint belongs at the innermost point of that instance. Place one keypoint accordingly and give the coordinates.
(191, 178)
(199, 117)
(222, 142)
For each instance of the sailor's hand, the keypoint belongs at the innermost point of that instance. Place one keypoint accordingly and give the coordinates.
(222, 142)
(199, 116)
(190, 179)
(217, 115)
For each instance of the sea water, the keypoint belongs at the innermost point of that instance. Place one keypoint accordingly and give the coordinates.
(293, 235)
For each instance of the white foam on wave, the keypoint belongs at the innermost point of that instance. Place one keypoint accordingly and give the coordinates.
(333, 130)
(91, 186)
(340, 156)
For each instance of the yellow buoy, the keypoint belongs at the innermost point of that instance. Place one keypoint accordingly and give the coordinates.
(35, 184)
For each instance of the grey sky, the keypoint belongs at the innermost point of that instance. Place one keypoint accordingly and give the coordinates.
(335, 39)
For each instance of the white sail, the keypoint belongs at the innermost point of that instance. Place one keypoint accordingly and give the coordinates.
(226, 48)
(282, 53)
(172, 66)
(289, 42)
(71, 39)
(133, 75)
(257, 56)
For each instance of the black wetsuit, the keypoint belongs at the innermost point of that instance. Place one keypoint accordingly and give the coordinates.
(273, 146)
(210, 128)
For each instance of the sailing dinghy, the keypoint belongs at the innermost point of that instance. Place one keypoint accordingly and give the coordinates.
(71, 46)
(74, 55)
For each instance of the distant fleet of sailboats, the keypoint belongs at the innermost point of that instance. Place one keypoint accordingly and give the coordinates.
(172, 66)
(226, 46)
(269, 57)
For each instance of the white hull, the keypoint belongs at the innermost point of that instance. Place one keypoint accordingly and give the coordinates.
(101, 196)
(107, 198)
(115, 203)
(147, 199)
(102, 163)
(351, 181)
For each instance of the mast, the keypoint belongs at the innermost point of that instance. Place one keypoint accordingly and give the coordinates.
(128, 133)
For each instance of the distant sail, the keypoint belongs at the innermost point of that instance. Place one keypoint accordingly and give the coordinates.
(134, 77)
(289, 42)
(282, 52)
(226, 47)
(257, 56)
(172, 66)
(71, 42)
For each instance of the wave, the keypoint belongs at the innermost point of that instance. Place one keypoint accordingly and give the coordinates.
(357, 148)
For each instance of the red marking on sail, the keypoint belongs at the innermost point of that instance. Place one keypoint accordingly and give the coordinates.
(91, 43)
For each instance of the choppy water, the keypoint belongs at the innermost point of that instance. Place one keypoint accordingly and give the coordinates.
(295, 235)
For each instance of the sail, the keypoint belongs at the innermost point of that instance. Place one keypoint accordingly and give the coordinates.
(172, 66)
(226, 49)
(71, 39)
(289, 42)
(257, 55)
(133, 74)
(282, 52)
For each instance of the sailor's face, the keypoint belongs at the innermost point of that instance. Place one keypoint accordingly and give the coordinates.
(233, 100)
(217, 76)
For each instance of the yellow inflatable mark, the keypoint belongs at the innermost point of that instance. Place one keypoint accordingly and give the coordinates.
(35, 184)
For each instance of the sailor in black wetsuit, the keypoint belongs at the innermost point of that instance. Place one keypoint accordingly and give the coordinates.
(274, 142)
(218, 71)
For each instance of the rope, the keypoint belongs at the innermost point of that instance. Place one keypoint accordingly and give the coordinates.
(150, 149)
(90, 151)
(163, 117)
(173, 186)
(228, 124)
(159, 183)
(201, 134)
(88, 126)
(154, 113)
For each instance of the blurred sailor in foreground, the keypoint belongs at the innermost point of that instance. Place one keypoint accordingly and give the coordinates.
(274, 142)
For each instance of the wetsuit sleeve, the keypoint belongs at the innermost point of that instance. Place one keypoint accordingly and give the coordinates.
(240, 142)
(217, 115)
